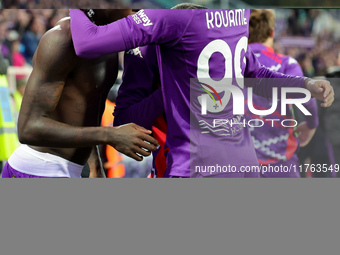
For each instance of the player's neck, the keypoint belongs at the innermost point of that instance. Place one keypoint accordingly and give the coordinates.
(269, 42)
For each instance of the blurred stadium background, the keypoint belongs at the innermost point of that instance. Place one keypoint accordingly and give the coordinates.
(44, 4)
(312, 36)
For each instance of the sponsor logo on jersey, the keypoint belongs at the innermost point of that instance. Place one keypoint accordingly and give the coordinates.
(141, 17)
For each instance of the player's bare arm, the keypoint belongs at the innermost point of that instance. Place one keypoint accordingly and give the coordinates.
(39, 122)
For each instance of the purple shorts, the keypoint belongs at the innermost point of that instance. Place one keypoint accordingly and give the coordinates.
(9, 172)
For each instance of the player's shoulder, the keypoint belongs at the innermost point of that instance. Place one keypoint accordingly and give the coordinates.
(60, 35)
(288, 60)
(170, 17)
(56, 44)
(285, 59)
(64, 25)
(290, 65)
(291, 61)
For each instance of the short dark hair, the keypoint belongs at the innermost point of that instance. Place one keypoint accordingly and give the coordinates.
(188, 6)
(261, 25)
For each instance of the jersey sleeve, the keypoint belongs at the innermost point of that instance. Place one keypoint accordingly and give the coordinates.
(137, 100)
(145, 27)
(313, 119)
(293, 68)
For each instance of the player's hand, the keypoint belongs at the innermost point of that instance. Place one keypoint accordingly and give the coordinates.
(133, 141)
(305, 134)
(321, 90)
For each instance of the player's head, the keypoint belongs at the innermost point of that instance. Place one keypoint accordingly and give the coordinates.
(188, 6)
(261, 25)
(106, 16)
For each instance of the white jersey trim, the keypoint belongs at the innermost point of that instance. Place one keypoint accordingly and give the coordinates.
(29, 161)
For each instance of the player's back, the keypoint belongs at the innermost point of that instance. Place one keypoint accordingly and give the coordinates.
(211, 50)
(274, 61)
(273, 142)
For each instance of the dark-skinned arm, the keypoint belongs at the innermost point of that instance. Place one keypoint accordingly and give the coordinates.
(54, 60)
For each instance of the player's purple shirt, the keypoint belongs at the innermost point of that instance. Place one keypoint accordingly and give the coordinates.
(277, 144)
(139, 98)
(189, 43)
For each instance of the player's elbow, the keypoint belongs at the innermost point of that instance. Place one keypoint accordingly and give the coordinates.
(28, 134)
(24, 135)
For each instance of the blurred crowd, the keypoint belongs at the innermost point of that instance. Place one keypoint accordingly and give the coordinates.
(316, 50)
(50, 4)
(312, 36)
(87, 4)
(21, 30)
(20, 33)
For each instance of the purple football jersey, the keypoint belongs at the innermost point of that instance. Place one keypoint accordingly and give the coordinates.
(276, 143)
(193, 44)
